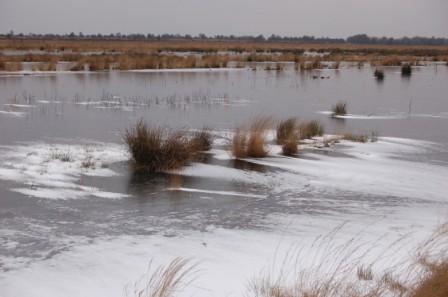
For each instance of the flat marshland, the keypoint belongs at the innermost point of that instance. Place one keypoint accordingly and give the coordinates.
(124, 55)
(237, 160)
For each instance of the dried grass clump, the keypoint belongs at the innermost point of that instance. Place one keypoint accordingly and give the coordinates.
(311, 129)
(12, 66)
(285, 129)
(356, 137)
(251, 142)
(345, 275)
(156, 149)
(339, 109)
(165, 281)
(290, 146)
(201, 141)
(288, 135)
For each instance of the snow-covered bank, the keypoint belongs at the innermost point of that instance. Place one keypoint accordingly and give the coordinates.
(227, 259)
(54, 171)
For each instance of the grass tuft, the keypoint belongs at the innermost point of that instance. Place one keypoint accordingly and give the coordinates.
(339, 109)
(311, 129)
(156, 149)
(201, 141)
(252, 142)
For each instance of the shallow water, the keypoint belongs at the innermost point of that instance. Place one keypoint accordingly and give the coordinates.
(55, 214)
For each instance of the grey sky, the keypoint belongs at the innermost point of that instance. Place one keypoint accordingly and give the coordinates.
(335, 18)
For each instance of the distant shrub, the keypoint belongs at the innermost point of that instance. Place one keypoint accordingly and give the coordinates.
(406, 70)
(379, 74)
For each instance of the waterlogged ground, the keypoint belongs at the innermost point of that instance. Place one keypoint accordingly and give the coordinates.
(77, 221)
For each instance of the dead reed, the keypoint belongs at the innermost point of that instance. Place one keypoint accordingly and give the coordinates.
(310, 129)
(251, 142)
(165, 281)
(340, 109)
(157, 149)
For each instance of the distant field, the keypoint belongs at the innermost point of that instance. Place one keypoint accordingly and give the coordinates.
(104, 55)
(182, 45)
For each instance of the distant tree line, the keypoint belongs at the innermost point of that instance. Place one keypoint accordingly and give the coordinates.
(355, 39)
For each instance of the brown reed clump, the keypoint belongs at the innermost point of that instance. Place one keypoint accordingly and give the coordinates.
(156, 149)
(311, 129)
(251, 142)
(339, 109)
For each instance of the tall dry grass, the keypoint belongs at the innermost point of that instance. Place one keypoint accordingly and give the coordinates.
(165, 281)
(348, 270)
(251, 142)
(339, 109)
(288, 136)
(155, 149)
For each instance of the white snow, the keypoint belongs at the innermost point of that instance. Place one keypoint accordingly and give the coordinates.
(54, 171)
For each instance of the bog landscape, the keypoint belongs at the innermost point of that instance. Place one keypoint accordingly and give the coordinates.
(178, 165)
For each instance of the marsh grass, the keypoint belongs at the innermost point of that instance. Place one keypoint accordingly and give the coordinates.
(12, 66)
(285, 128)
(157, 149)
(61, 156)
(201, 141)
(340, 109)
(164, 281)
(310, 129)
(363, 138)
(350, 274)
(288, 136)
(251, 142)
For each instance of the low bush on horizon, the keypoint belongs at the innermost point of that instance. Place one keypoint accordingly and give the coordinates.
(339, 109)
(157, 149)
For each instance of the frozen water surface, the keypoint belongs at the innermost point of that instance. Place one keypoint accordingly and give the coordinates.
(77, 221)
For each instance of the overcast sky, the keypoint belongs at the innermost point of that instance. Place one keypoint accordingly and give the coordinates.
(334, 18)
